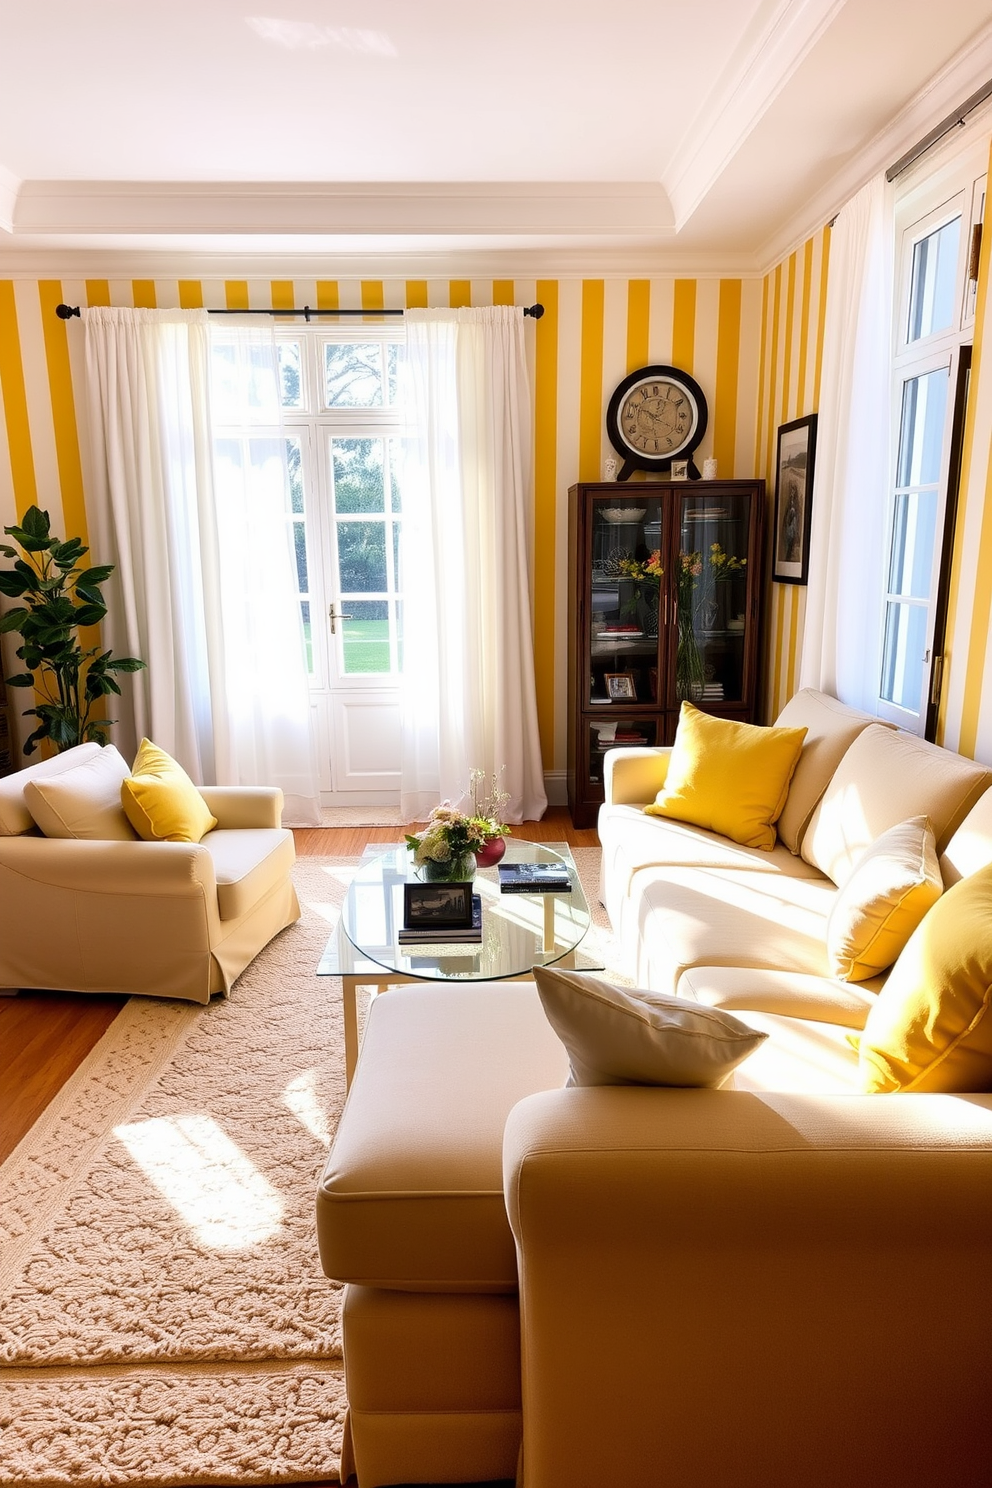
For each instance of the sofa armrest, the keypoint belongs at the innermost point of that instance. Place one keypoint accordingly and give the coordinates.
(244, 805)
(154, 868)
(634, 776)
(751, 1289)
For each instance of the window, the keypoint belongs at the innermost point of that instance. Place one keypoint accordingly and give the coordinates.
(937, 210)
(339, 397)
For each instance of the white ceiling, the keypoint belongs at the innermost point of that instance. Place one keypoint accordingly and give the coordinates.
(538, 132)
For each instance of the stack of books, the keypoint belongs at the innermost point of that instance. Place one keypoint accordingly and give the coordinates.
(534, 878)
(441, 935)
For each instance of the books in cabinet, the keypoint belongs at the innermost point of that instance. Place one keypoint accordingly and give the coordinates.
(534, 878)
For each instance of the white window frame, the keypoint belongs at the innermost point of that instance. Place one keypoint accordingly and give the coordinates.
(949, 182)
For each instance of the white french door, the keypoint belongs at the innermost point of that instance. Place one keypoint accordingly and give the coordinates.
(344, 445)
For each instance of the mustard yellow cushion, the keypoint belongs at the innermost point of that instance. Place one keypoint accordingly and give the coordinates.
(729, 777)
(161, 802)
(930, 1028)
(882, 902)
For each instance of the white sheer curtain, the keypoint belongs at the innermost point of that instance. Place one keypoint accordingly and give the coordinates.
(204, 590)
(469, 696)
(842, 635)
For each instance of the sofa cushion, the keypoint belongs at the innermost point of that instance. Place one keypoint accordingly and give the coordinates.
(800, 1055)
(884, 778)
(15, 818)
(831, 728)
(880, 905)
(679, 918)
(792, 994)
(412, 1193)
(161, 802)
(931, 1028)
(248, 862)
(84, 802)
(620, 1036)
(729, 777)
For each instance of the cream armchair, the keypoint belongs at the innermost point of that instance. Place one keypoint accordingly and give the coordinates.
(161, 919)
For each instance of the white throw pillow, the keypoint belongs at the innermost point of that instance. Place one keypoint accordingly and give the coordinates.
(616, 1036)
(84, 802)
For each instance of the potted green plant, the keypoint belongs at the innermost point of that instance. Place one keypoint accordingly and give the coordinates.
(59, 595)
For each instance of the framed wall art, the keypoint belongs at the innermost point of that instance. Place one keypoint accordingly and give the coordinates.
(793, 500)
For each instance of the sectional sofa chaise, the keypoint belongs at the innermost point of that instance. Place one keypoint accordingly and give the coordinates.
(785, 1281)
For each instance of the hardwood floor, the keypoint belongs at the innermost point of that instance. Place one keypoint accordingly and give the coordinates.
(44, 1036)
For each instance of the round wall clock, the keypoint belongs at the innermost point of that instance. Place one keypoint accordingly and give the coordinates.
(656, 415)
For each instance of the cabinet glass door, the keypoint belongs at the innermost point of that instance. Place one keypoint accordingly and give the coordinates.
(710, 589)
(626, 575)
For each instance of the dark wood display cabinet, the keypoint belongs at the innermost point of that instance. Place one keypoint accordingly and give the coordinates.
(663, 605)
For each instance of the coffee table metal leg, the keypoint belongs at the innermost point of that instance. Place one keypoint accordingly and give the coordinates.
(549, 922)
(349, 997)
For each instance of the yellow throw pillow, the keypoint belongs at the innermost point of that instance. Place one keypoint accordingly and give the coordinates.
(729, 777)
(880, 905)
(930, 1028)
(161, 802)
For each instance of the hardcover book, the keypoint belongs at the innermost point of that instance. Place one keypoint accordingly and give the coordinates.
(534, 878)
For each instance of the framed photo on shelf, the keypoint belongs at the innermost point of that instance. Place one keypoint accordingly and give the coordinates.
(620, 687)
(437, 906)
(793, 500)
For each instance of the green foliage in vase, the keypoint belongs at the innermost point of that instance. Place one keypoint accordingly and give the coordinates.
(58, 597)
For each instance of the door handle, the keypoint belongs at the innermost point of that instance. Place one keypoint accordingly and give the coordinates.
(334, 615)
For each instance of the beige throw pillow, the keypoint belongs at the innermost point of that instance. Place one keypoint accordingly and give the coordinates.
(883, 901)
(84, 802)
(636, 1037)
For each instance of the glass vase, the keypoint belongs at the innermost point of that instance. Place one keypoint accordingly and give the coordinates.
(453, 870)
(689, 674)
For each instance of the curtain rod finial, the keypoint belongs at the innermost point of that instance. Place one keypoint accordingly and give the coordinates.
(66, 312)
(536, 311)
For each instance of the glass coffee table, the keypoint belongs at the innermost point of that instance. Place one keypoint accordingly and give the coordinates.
(519, 931)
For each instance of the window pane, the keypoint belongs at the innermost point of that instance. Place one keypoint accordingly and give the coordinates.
(931, 298)
(353, 375)
(902, 659)
(365, 636)
(362, 557)
(395, 353)
(358, 475)
(913, 528)
(300, 545)
(921, 436)
(289, 372)
(397, 549)
(294, 463)
(307, 633)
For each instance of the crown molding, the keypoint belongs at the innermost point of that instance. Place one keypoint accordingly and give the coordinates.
(302, 262)
(779, 39)
(427, 208)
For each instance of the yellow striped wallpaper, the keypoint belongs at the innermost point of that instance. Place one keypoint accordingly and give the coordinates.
(753, 344)
(793, 303)
(593, 332)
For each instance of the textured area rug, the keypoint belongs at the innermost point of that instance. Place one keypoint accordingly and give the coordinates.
(163, 1316)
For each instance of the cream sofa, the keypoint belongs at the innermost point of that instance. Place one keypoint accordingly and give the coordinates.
(783, 1283)
(162, 919)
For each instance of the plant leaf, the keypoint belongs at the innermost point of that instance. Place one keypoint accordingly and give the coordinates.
(12, 620)
(21, 679)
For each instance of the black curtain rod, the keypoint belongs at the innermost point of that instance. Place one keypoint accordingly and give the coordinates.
(66, 312)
